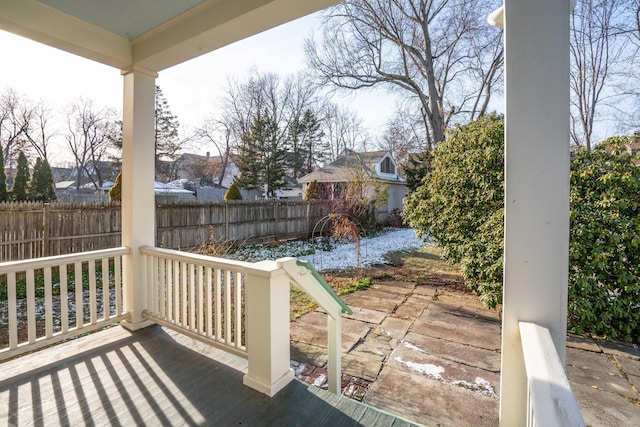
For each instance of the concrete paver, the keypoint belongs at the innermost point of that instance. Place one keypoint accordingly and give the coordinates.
(601, 408)
(447, 371)
(431, 353)
(596, 370)
(408, 395)
(456, 352)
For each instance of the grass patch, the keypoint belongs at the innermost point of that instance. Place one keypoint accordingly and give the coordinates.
(302, 304)
(417, 265)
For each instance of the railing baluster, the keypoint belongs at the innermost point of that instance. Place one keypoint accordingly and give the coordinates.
(13, 312)
(79, 291)
(184, 320)
(218, 290)
(200, 300)
(176, 292)
(93, 305)
(209, 296)
(64, 295)
(117, 261)
(48, 303)
(162, 283)
(192, 296)
(227, 306)
(170, 285)
(238, 309)
(31, 306)
(106, 300)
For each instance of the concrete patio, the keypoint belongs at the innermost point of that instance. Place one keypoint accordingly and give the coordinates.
(429, 352)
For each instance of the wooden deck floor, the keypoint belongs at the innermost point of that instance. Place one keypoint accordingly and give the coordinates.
(156, 377)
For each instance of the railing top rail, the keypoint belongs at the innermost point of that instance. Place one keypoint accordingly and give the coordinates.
(328, 289)
(552, 401)
(309, 280)
(52, 261)
(221, 263)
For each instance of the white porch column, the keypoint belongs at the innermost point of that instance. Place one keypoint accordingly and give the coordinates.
(537, 186)
(138, 199)
(267, 328)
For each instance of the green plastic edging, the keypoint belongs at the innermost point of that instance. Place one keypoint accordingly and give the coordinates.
(304, 263)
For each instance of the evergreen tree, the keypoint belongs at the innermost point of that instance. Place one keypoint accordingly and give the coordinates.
(304, 137)
(115, 192)
(4, 196)
(313, 191)
(42, 188)
(262, 157)
(417, 167)
(233, 193)
(166, 130)
(19, 191)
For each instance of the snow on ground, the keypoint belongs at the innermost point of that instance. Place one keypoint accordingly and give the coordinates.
(372, 249)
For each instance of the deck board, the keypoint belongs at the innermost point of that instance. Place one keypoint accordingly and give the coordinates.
(157, 377)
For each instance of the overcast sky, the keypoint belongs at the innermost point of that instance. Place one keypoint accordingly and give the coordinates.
(192, 88)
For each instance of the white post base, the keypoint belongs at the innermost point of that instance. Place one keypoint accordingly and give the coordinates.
(269, 389)
(130, 326)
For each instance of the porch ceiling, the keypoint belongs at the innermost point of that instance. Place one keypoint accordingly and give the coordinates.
(148, 34)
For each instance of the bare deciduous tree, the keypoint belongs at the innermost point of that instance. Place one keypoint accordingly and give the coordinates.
(90, 133)
(15, 119)
(431, 49)
(39, 132)
(342, 130)
(597, 51)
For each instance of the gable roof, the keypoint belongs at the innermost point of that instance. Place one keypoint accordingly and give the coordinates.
(342, 169)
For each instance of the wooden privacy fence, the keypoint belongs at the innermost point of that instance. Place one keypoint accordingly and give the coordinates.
(32, 230)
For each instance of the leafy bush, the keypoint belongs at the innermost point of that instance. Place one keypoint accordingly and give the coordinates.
(233, 193)
(460, 206)
(313, 191)
(115, 192)
(604, 255)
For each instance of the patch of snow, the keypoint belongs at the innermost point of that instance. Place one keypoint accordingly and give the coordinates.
(372, 250)
(427, 369)
(480, 385)
(412, 346)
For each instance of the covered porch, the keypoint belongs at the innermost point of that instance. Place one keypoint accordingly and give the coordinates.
(202, 297)
(159, 377)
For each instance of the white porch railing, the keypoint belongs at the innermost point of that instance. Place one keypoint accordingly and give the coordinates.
(240, 307)
(202, 297)
(550, 399)
(40, 308)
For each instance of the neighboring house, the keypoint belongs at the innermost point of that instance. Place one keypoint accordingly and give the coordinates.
(292, 190)
(335, 177)
(93, 175)
(202, 170)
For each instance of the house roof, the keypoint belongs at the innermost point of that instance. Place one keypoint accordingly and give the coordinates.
(344, 168)
(150, 35)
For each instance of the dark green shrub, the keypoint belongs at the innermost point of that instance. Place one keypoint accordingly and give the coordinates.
(233, 193)
(460, 206)
(604, 255)
(460, 203)
(312, 192)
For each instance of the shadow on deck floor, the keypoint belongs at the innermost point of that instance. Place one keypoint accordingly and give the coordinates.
(117, 378)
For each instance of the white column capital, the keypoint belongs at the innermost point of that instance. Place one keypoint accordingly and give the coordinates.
(139, 70)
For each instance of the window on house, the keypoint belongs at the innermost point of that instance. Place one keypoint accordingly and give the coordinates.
(387, 166)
